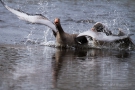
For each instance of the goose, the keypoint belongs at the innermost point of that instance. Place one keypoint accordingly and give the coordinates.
(63, 39)
(98, 33)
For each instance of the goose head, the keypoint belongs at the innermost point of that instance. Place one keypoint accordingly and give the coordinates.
(58, 25)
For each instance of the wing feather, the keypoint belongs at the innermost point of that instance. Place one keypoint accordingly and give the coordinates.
(37, 18)
(100, 36)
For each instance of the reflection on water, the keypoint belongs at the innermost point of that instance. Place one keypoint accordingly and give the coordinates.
(45, 68)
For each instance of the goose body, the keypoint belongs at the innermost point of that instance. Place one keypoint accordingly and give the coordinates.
(66, 39)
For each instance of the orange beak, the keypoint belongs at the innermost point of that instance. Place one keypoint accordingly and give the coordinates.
(57, 20)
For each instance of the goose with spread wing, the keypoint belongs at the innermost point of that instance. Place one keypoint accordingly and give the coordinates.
(63, 39)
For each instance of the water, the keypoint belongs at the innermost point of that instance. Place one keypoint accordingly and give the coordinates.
(25, 64)
(46, 68)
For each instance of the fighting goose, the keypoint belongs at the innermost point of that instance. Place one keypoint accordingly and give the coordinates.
(101, 35)
(63, 39)
(99, 27)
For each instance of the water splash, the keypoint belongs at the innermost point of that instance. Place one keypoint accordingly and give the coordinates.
(118, 45)
(42, 7)
(45, 35)
(28, 38)
(46, 42)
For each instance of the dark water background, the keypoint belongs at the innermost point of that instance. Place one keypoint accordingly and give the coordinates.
(25, 64)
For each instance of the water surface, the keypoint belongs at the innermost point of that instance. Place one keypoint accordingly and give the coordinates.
(27, 65)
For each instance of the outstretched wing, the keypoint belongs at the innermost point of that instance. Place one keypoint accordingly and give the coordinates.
(100, 36)
(37, 18)
(88, 33)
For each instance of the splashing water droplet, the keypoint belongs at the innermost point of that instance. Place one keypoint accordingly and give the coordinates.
(28, 37)
(45, 35)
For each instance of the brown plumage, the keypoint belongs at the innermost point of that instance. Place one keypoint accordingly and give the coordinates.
(99, 27)
(64, 39)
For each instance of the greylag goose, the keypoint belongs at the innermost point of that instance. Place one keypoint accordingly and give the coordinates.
(63, 39)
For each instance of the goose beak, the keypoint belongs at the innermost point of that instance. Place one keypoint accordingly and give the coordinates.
(57, 21)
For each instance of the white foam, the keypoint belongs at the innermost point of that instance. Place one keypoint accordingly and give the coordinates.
(48, 43)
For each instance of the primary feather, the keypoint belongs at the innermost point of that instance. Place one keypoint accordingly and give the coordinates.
(37, 18)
